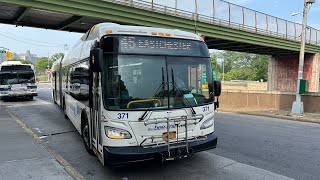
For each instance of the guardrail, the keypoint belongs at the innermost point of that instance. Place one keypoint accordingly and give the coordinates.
(229, 15)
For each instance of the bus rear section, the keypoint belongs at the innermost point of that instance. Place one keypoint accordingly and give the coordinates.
(17, 80)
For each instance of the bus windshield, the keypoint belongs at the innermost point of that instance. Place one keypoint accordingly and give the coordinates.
(16, 77)
(144, 81)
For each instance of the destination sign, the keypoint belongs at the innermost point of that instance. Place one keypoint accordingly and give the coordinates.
(162, 46)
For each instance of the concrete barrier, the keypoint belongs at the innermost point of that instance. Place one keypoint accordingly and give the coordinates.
(264, 100)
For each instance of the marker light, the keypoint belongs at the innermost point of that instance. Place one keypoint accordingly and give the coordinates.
(161, 34)
(207, 123)
(154, 33)
(115, 133)
(108, 31)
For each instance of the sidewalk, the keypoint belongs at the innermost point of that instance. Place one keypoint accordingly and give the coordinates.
(21, 157)
(281, 114)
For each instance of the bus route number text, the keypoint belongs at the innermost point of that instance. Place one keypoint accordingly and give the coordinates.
(123, 115)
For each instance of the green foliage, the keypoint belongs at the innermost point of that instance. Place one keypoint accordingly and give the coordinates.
(21, 60)
(56, 56)
(242, 66)
(42, 77)
(214, 62)
(41, 65)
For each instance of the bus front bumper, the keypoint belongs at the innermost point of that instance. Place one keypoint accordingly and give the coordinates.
(124, 155)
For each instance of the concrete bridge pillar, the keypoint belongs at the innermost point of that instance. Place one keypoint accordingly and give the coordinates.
(283, 72)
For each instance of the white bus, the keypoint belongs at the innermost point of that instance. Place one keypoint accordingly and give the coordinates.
(135, 93)
(17, 80)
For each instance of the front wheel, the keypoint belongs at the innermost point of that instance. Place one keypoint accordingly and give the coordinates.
(86, 137)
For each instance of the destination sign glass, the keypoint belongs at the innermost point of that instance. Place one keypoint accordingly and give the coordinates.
(160, 46)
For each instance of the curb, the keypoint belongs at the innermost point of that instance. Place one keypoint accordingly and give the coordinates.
(293, 118)
(64, 163)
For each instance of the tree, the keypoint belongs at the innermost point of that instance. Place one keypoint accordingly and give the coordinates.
(21, 60)
(243, 66)
(42, 64)
(214, 62)
(56, 56)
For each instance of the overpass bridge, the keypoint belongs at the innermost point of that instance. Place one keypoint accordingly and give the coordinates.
(224, 25)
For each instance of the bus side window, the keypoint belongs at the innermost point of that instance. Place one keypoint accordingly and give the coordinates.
(79, 82)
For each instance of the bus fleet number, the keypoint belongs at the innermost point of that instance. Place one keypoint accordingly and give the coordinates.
(123, 115)
(205, 108)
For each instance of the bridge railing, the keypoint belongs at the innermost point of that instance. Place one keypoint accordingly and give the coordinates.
(226, 14)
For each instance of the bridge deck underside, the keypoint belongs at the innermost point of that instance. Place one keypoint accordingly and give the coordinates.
(222, 44)
(81, 15)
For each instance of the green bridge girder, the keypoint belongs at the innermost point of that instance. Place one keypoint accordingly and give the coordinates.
(217, 37)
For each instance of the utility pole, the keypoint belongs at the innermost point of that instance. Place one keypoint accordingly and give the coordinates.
(48, 68)
(223, 70)
(297, 106)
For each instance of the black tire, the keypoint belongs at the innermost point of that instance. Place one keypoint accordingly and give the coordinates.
(53, 98)
(85, 135)
(30, 98)
(64, 110)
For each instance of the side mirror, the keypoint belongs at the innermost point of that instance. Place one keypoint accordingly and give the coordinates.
(96, 59)
(217, 88)
(217, 93)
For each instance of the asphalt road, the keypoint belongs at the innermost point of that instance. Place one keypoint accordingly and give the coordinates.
(249, 147)
(281, 146)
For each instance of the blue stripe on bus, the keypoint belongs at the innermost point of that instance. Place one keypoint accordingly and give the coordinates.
(31, 87)
(5, 89)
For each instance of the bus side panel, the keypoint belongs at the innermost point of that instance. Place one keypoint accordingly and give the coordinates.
(77, 98)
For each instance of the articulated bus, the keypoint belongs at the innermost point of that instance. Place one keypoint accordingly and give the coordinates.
(135, 93)
(17, 80)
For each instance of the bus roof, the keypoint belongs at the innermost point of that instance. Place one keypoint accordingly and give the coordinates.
(81, 50)
(14, 63)
(56, 64)
(11, 63)
(99, 30)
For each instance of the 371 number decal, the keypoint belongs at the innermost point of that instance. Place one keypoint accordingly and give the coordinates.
(123, 115)
(205, 108)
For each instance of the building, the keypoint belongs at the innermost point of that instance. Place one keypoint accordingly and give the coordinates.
(28, 56)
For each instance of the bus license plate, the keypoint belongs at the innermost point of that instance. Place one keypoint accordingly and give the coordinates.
(172, 135)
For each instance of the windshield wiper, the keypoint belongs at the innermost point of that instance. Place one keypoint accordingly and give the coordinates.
(174, 87)
(154, 95)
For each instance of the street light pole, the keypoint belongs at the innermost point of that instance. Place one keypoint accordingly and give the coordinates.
(223, 70)
(297, 106)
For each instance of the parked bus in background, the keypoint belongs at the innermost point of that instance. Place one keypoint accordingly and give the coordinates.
(135, 93)
(17, 80)
(55, 82)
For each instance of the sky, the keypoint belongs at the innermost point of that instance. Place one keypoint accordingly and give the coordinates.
(48, 42)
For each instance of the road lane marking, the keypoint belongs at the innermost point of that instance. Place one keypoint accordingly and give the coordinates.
(67, 166)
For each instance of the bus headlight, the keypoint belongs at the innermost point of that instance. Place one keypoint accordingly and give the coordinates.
(207, 123)
(115, 133)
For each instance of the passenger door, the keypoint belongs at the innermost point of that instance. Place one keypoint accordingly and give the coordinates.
(96, 114)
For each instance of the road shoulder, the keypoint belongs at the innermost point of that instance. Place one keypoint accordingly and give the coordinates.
(279, 114)
(25, 156)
